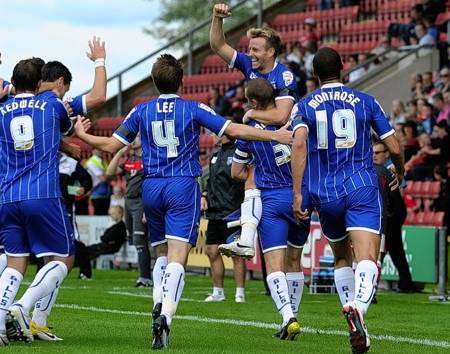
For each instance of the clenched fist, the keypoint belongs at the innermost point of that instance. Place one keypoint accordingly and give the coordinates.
(222, 10)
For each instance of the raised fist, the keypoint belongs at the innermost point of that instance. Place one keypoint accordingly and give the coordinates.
(222, 10)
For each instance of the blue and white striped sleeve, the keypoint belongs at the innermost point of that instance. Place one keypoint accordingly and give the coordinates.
(380, 121)
(129, 128)
(297, 119)
(241, 154)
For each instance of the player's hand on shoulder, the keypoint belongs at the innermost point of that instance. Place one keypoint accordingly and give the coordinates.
(203, 203)
(68, 108)
(82, 125)
(247, 116)
(3, 91)
(222, 10)
(97, 49)
(283, 135)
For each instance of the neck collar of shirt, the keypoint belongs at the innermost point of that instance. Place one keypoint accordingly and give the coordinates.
(168, 95)
(24, 95)
(331, 85)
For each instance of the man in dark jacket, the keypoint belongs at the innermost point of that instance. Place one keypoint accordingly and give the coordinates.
(221, 197)
(113, 237)
(394, 216)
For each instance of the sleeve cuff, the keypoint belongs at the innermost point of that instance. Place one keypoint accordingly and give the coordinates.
(83, 102)
(231, 64)
(227, 123)
(121, 139)
(241, 153)
(242, 161)
(284, 97)
(389, 133)
(300, 125)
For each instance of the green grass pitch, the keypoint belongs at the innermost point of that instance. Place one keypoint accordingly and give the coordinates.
(108, 315)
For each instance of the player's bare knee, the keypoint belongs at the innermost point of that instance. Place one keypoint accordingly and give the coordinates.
(68, 261)
(212, 251)
(18, 263)
(343, 256)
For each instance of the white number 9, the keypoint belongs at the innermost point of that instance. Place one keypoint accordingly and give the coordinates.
(22, 132)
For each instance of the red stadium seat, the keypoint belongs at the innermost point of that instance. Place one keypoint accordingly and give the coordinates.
(438, 219)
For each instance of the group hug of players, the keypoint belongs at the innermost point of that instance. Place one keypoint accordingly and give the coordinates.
(295, 157)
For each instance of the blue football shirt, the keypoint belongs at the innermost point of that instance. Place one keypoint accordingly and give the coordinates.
(339, 120)
(170, 131)
(281, 78)
(30, 132)
(272, 160)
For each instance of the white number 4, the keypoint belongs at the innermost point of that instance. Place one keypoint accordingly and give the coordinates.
(344, 127)
(169, 140)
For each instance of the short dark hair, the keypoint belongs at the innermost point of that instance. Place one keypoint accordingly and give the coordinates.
(39, 62)
(438, 96)
(53, 70)
(327, 64)
(418, 8)
(26, 75)
(261, 91)
(167, 73)
(443, 125)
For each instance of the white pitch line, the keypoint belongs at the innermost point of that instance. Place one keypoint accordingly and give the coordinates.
(126, 293)
(417, 341)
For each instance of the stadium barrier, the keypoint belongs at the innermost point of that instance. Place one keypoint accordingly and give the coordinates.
(425, 248)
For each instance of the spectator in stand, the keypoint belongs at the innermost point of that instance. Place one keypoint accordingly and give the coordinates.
(405, 31)
(238, 102)
(300, 78)
(411, 146)
(311, 50)
(311, 34)
(426, 119)
(427, 83)
(345, 3)
(432, 8)
(325, 4)
(442, 108)
(355, 74)
(311, 84)
(411, 110)
(296, 55)
(442, 202)
(416, 168)
(398, 112)
(443, 84)
(117, 197)
(217, 102)
(423, 36)
(415, 85)
(431, 27)
(101, 192)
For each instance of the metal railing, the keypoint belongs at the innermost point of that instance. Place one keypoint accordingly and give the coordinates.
(187, 36)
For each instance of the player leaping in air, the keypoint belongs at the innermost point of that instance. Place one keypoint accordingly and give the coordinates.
(332, 135)
(170, 130)
(281, 236)
(260, 62)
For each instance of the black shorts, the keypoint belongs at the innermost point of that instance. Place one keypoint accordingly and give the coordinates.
(217, 232)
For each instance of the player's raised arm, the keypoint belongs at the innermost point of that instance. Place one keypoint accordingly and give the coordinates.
(97, 53)
(277, 115)
(107, 144)
(216, 35)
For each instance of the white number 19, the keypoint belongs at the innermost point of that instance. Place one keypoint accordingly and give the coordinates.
(344, 127)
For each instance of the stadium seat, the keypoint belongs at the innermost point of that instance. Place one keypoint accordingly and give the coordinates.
(202, 83)
(106, 126)
(214, 64)
(438, 219)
